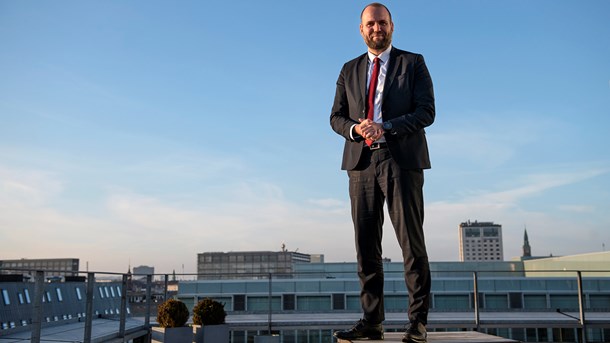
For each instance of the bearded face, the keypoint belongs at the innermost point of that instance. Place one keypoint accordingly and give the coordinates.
(379, 40)
(376, 28)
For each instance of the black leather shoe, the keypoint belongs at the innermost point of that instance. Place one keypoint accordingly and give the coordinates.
(362, 330)
(416, 333)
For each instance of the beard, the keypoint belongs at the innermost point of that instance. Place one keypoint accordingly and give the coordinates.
(379, 44)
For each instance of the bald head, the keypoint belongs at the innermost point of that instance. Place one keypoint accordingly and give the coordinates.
(378, 5)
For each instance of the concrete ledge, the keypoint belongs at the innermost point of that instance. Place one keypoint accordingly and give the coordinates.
(103, 330)
(443, 337)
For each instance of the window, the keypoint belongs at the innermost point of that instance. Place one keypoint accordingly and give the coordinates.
(78, 295)
(239, 302)
(101, 292)
(451, 302)
(314, 303)
(496, 301)
(48, 296)
(112, 291)
(339, 301)
(490, 232)
(60, 298)
(21, 300)
(473, 233)
(106, 291)
(27, 295)
(288, 300)
(535, 301)
(118, 291)
(7, 300)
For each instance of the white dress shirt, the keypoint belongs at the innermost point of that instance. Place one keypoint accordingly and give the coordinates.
(384, 58)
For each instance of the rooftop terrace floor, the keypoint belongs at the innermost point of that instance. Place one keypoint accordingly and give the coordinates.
(102, 330)
(442, 337)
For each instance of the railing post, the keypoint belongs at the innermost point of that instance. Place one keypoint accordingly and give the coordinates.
(37, 315)
(123, 314)
(165, 287)
(148, 300)
(477, 319)
(270, 305)
(89, 307)
(581, 307)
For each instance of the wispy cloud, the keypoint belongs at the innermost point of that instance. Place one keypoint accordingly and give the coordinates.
(537, 183)
(577, 208)
(27, 186)
(507, 207)
(168, 231)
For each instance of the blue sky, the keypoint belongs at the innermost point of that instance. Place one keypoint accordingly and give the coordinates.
(145, 132)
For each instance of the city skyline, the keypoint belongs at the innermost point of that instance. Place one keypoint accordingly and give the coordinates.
(148, 132)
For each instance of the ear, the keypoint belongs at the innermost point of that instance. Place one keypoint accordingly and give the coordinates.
(361, 30)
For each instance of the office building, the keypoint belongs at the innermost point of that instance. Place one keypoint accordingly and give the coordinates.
(235, 265)
(140, 272)
(530, 301)
(53, 267)
(322, 297)
(480, 241)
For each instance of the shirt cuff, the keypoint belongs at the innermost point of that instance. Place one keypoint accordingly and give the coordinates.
(351, 132)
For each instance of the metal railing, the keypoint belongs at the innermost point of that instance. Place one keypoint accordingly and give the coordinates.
(39, 289)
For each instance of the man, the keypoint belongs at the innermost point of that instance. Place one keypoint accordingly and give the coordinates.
(385, 154)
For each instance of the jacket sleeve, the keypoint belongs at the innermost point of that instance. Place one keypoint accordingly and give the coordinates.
(423, 102)
(340, 119)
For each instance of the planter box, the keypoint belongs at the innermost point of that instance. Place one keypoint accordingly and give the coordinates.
(211, 333)
(172, 335)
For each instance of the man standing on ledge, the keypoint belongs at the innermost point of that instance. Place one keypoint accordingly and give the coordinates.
(383, 102)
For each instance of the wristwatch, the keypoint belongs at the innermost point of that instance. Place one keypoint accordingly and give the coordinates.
(388, 127)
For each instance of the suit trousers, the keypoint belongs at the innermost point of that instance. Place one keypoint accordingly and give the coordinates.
(378, 179)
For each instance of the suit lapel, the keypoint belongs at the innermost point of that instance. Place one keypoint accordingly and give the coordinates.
(391, 72)
(362, 71)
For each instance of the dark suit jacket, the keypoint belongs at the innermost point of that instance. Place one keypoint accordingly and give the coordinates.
(408, 102)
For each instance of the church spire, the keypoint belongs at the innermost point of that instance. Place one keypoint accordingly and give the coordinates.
(527, 250)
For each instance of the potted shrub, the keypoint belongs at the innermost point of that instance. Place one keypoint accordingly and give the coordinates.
(209, 322)
(172, 316)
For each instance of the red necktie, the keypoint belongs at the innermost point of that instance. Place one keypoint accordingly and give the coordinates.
(371, 97)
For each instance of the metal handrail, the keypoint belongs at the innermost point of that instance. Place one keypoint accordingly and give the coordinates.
(39, 290)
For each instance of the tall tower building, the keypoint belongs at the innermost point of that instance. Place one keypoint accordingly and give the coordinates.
(481, 241)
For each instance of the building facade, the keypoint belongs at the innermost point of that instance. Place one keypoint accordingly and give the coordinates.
(322, 297)
(481, 241)
(53, 267)
(140, 272)
(62, 303)
(248, 264)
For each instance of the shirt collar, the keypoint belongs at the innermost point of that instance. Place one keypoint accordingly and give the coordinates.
(384, 56)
